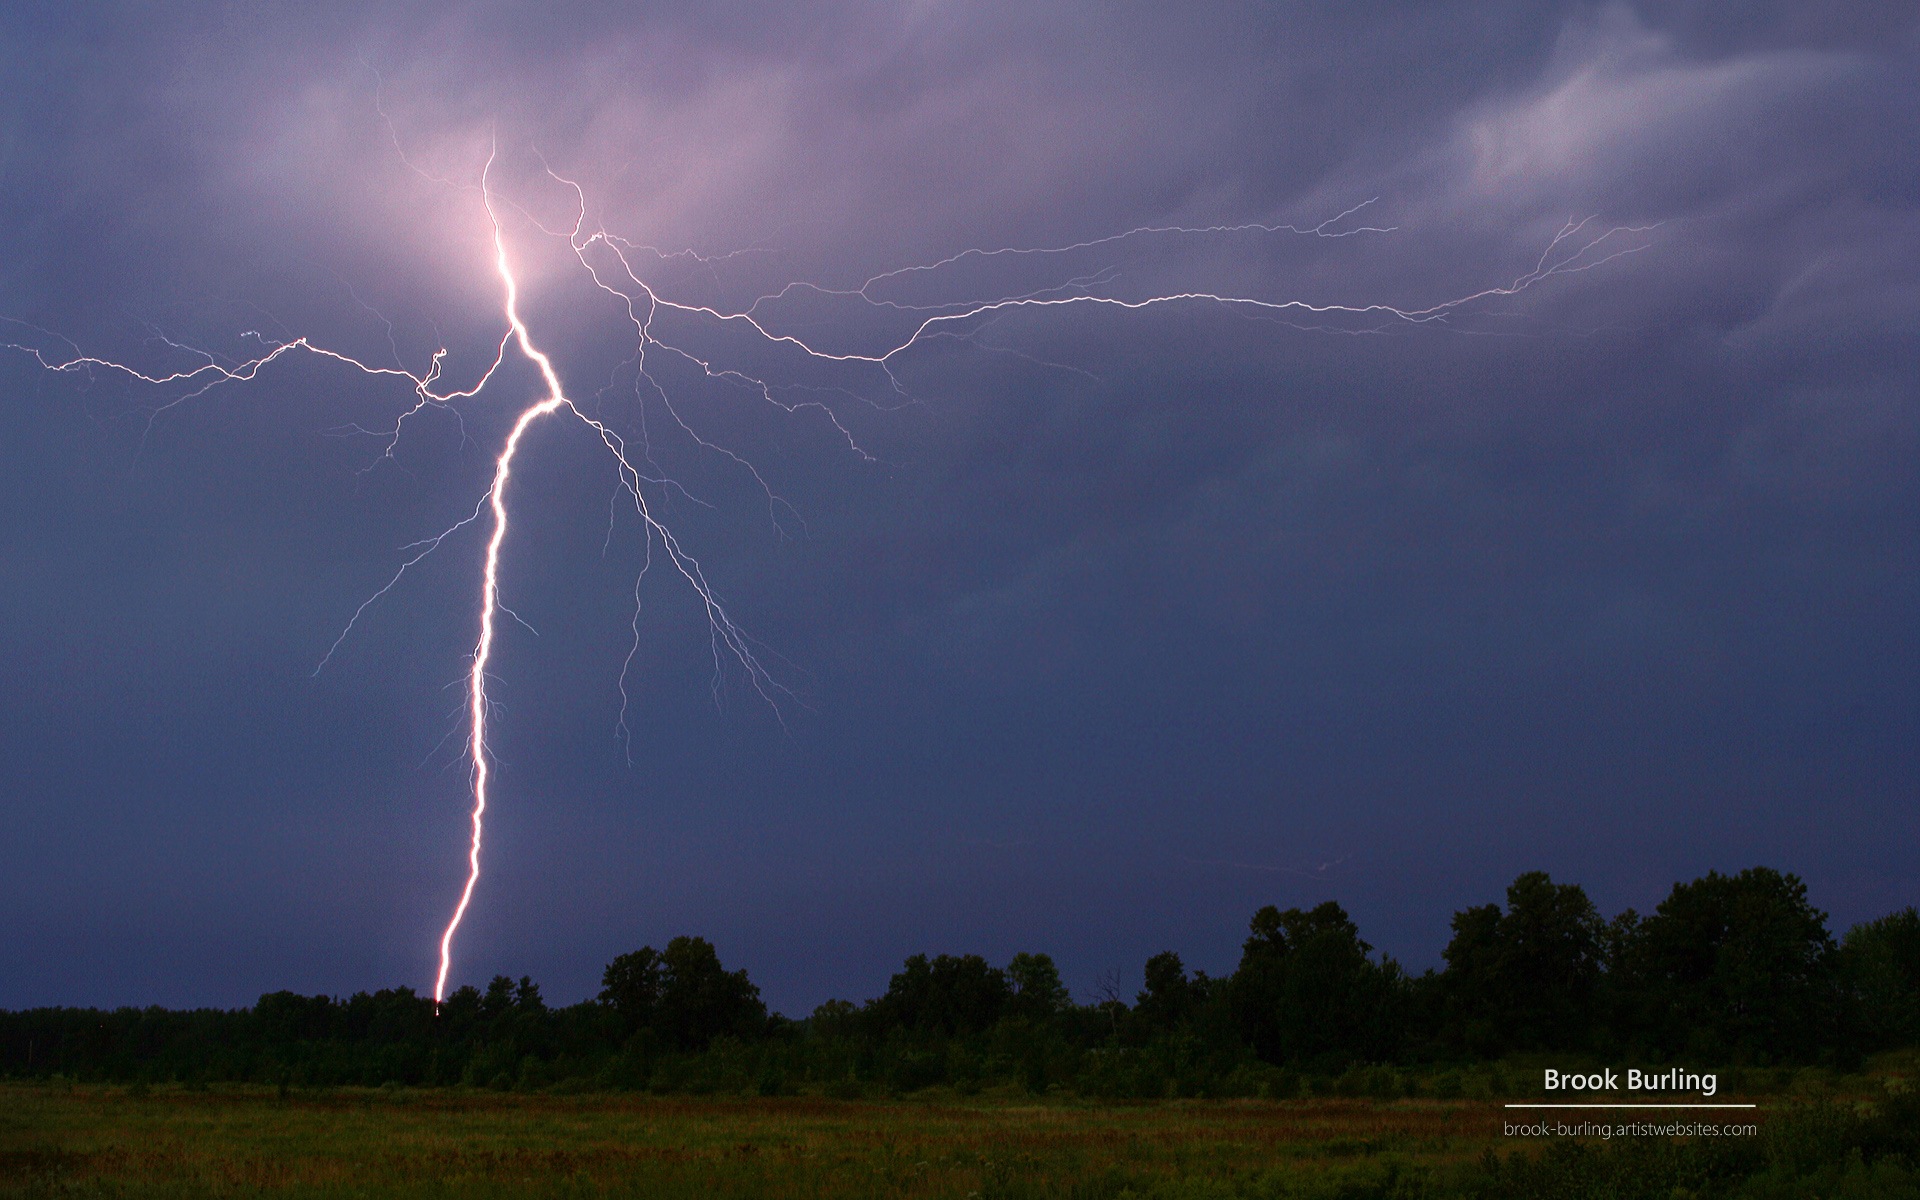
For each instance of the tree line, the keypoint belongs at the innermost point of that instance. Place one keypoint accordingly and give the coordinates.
(1727, 970)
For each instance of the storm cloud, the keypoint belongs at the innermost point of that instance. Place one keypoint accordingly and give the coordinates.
(1118, 624)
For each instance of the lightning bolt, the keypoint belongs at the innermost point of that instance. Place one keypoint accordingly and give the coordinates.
(609, 262)
(490, 606)
(490, 578)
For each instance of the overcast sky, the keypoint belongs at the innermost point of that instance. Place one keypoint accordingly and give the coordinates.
(1104, 627)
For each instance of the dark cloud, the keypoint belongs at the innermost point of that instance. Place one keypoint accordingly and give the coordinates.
(1135, 621)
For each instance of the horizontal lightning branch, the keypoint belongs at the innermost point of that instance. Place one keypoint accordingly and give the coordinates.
(609, 263)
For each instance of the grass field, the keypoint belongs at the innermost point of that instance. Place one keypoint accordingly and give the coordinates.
(103, 1140)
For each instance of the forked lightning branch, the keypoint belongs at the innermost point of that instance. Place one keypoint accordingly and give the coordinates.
(608, 262)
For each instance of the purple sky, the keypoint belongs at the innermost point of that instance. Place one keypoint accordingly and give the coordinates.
(1131, 623)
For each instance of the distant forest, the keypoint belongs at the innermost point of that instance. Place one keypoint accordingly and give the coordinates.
(1729, 970)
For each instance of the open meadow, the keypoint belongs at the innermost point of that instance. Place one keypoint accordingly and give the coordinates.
(64, 1139)
(235, 1141)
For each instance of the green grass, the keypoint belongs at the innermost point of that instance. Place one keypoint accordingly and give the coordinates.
(110, 1141)
(1821, 1137)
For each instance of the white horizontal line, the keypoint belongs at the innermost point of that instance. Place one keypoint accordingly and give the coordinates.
(1632, 1106)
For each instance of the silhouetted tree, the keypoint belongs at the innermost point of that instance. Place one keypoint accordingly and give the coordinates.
(1307, 992)
(631, 985)
(1170, 999)
(1727, 967)
(1736, 965)
(949, 995)
(285, 1017)
(1038, 994)
(835, 1019)
(1524, 979)
(701, 1000)
(496, 1002)
(526, 996)
(682, 994)
(1880, 962)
